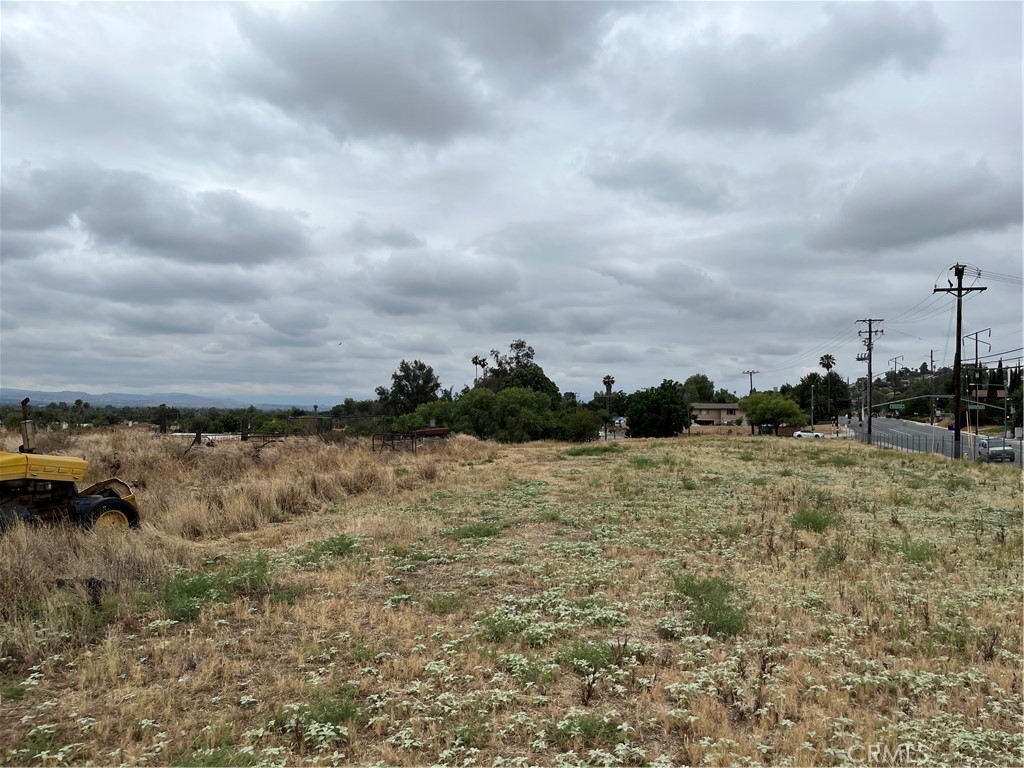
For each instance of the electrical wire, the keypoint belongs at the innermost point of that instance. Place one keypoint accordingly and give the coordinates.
(809, 354)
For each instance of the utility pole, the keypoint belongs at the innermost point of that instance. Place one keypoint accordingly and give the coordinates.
(608, 382)
(976, 376)
(931, 359)
(751, 375)
(960, 291)
(869, 342)
(812, 407)
(895, 375)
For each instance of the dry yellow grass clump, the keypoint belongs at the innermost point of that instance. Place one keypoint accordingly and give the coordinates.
(704, 600)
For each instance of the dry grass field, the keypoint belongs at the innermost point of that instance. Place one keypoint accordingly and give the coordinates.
(705, 600)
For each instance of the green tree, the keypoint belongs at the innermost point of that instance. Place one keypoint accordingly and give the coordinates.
(723, 395)
(1015, 398)
(444, 413)
(700, 388)
(521, 415)
(770, 409)
(581, 425)
(659, 411)
(801, 393)
(412, 385)
(517, 369)
(475, 413)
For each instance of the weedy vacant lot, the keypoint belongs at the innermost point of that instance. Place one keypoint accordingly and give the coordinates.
(706, 600)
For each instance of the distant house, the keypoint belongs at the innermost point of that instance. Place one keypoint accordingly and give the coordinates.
(715, 414)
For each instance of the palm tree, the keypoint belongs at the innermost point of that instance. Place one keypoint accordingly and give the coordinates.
(608, 382)
(828, 362)
(481, 363)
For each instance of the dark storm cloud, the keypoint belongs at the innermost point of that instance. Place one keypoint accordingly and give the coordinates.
(907, 203)
(754, 83)
(361, 70)
(141, 214)
(365, 235)
(698, 187)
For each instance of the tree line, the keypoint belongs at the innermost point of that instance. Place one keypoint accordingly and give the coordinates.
(512, 399)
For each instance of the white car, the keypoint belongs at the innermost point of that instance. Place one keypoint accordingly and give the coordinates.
(806, 433)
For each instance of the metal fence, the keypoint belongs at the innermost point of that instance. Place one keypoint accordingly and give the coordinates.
(940, 444)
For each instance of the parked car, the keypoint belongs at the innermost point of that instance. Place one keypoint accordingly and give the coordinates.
(995, 449)
(806, 433)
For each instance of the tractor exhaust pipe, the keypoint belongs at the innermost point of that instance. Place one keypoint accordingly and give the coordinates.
(28, 430)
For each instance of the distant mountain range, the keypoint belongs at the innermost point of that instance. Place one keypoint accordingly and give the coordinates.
(178, 399)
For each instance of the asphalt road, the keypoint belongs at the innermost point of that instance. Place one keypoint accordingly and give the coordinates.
(914, 436)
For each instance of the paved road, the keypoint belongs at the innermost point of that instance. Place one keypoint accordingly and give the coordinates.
(914, 436)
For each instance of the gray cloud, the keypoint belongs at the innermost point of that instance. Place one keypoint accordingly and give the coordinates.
(294, 321)
(642, 189)
(134, 211)
(418, 71)
(701, 187)
(754, 83)
(521, 43)
(359, 72)
(36, 199)
(146, 321)
(217, 226)
(906, 203)
(364, 235)
(410, 282)
(27, 245)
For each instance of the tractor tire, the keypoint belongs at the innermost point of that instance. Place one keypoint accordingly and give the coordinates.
(110, 513)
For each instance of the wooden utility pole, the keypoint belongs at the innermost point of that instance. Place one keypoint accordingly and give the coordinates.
(608, 382)
(895, 375)
(960, 291)
(869, 342)
(751, 375)
(976, 376)
(931, 359)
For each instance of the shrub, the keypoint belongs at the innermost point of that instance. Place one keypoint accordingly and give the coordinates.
(319, 551)
(184, 594)
(813, 519)
(600, 449)
(449, 602)
(713, 604)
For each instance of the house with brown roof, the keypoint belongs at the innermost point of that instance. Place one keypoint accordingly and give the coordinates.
(715, 414)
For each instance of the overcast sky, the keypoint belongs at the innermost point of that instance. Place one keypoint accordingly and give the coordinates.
(259, 201)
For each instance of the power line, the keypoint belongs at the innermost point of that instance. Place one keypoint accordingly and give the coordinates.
(1000, 354)
(809, 354)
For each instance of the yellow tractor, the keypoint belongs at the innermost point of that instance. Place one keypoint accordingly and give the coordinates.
(40, 488)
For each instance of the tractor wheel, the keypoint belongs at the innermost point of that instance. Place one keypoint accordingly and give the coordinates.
(111, 513)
